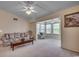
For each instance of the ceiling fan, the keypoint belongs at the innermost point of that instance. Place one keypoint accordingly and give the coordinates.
(29, 8)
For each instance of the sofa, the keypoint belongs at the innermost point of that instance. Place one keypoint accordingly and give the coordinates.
(8, 38)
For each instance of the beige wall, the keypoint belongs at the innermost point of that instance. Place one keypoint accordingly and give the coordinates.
(8, 25)
(69, 36)
(32, 27)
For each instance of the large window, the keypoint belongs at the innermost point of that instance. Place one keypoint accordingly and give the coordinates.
(48, 28)
(42, 28)
(56, 28)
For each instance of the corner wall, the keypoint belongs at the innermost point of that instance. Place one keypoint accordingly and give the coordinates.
(8, 25)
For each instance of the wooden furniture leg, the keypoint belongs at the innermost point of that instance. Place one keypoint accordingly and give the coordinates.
(12, 48)
(32, 42)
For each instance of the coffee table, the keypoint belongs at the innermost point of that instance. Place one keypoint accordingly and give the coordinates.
(20, 43)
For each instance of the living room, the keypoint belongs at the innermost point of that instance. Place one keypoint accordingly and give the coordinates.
(18, 24)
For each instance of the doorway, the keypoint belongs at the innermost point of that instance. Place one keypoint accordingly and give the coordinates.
(49, 29)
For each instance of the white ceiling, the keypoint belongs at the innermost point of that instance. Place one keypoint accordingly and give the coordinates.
(43, 8)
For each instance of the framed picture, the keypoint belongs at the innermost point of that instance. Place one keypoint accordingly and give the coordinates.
(71, 20)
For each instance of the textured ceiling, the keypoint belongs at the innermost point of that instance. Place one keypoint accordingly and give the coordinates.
(43, 8)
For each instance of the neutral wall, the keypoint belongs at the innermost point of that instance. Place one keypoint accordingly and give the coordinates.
(8, 25)
(69, 36)
(32, 27)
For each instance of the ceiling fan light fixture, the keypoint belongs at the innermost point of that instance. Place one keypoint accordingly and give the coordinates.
(28, 12)
(29, 9)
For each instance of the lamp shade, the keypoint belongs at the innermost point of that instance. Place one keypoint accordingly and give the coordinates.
(1, 33)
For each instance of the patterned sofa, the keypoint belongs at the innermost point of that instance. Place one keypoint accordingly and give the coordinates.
(7, 38)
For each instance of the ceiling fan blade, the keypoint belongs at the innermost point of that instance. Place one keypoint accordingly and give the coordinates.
(32, 7)
(23, 10)
(34, 11)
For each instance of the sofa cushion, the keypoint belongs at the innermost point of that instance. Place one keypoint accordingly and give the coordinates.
(25, 34)
(22, 35)
(7, 36)
(17, 35)
(11, 36)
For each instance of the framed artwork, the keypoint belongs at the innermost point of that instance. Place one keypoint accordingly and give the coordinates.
(71, 20)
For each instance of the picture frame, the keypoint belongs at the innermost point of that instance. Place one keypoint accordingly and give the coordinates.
(71, 20)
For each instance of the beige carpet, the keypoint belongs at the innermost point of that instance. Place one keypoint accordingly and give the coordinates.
(40, 48)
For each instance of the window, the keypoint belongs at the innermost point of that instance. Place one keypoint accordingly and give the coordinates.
(42, 28)
(38, 28)
(56, 28)
(48, 28)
